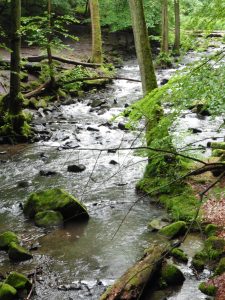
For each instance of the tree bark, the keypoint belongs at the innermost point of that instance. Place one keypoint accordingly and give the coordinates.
(130, 286)
(165, 28)
(14, 100)
(177, 26)
(142, 46)
(49, 50)
(96, 32)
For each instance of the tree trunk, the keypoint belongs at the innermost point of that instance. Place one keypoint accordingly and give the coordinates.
(142, 46)
(131, 285)
(165, 28)
(177, 26)
(14, 100)
(49, 50)
(96, 32)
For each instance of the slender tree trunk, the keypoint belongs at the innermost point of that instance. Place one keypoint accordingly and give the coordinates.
(177, 26)
(14, 99)
(142, 46)
(96, 32)
(165, 27)
(49, 50)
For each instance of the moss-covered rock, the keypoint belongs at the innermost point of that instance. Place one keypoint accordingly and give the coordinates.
(172, 275)
(179, 255)
(18, 281)
(156, 224)
(211, 229)
(48, 218)
(198, 264)
(218, 145)
(207, 289)
(218, 152)
(174, 229)
(220, 269)
(17, 253)
(57, 200)
(6, 238)
(7, 292)
(214, 247)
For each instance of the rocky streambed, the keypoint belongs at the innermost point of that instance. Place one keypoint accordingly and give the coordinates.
(79, 260)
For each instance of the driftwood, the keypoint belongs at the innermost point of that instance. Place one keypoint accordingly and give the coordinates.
(131, 285)
(62, 60)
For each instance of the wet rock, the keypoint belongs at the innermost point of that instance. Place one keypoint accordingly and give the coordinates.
(70, 145)
(97, 102)
(90, 128)
(34, 246)
(112, 150)
(18, 253)
(7, 292)
(173, 230)
(47, 173)
(6, 239)
(48, 218)
(179, 255)
(172, 275)
(195, 130)
(23, 184)
(113, 162)
(76, 168)
(164, 81)
(57, 200)
(122, 126)
(70, 287)
(156, 224)
(18, 281)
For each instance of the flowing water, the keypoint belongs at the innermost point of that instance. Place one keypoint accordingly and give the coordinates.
(79, 259)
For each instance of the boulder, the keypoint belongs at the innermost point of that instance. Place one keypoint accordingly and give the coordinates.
(18, 281)
(207, 289)
(156, 224)
(6, 238)
(173, 230)
(211, 230)
(179, 255)
(76, 168)
(172, 275)
(48, 218)
(17, 253)
(220, 269)
(7, 292)
(57, 200)
(218, 145)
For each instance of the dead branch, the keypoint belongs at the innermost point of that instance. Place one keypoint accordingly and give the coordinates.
(38, 90)
(102, 77)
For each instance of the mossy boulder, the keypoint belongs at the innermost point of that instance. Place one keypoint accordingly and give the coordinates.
(220, 269)
(48, 218)
(198, 264)
(57, 200)
(7, 292)
(17, 253)
(211, 229)
(214, 247)
(179, 255)
(218, 145)
(173, 230)
(207, 289)
(171, 275)
(156, 224)
(218, 153)
(6, 238)
(18, 281)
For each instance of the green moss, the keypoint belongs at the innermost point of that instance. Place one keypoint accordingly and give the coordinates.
(172, 275)
(6, 238)
(57, 200)
(48, 218)
(174, 229)
(18, 281)
(198, 264)
(218, 145)
(207, 289)
(218, 152)
(211, 229)
(179, 254)
(220, 269)
(214, 247)
(7, 292)
(17, 253)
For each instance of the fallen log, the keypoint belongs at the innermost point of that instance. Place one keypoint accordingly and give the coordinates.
(62, 60)
(131, 285)
(40, 89)
(100, 77)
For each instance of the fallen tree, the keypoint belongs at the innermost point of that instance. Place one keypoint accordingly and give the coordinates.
(131, 285)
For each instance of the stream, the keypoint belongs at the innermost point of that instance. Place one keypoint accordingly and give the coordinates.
(79, 260)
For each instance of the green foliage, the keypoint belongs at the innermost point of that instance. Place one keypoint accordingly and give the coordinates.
(207, 289)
